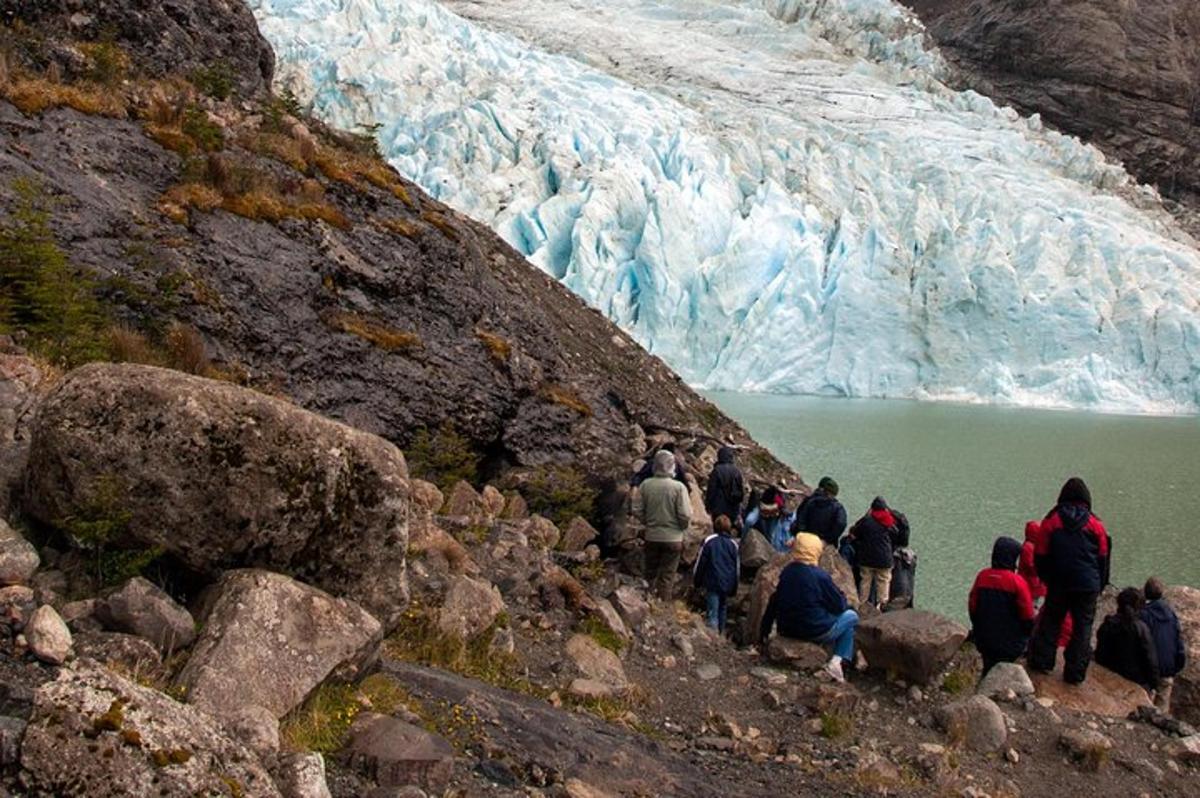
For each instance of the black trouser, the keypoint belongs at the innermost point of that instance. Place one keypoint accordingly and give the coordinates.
(1082, 607)
(662, 563)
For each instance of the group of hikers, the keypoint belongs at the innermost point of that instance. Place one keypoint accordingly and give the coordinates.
(1037, 596)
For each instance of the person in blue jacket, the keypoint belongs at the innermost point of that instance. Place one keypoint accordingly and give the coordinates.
(1163, 624)
(807, 605)
(718, 570)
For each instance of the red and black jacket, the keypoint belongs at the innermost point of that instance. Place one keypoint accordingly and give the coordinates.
(1072, 551)
(1001, 605)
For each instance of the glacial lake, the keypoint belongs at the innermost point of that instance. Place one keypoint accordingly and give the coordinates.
(965, 474)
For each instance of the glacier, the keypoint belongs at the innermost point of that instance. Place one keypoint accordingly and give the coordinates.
(773, 195)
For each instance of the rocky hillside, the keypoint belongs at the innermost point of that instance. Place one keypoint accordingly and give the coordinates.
(222, 234)
(1123, 76)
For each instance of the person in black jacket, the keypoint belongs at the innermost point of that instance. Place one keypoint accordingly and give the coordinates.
(1001, 607)
(718, 570)
(1163, 624)
(876, 537)
(1071, 555)
(821, 513)
(726, 489)
(1124, 644)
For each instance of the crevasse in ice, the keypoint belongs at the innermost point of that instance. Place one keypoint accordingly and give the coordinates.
(773, 195)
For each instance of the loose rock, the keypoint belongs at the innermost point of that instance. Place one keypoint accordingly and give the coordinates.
(141, 608)
(596, 662)
(301, 776)
(1003, 679)
(977, 722)
(49, 638)
(18, 558)
(395, 753)
(470, 607)
(914, 644)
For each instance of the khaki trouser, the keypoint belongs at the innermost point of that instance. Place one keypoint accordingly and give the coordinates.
(1162, 697)
(880, 577)
(662, 563)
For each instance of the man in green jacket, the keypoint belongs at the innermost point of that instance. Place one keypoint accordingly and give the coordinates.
(665, 509)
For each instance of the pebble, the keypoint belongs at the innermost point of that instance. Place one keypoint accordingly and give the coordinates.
(708, 672)
(1012, 756)
(915, 694)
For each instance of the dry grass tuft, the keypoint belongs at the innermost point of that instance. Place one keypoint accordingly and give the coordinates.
(33, 96)
(567, 398)
(380, 335)
(499, 348)
(441, 222)
(401, 227)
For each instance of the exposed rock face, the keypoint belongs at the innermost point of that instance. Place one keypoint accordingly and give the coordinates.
(395, 753)
(223, 476)
(1102, 692)
(141, 608)
(68, 751)
(18, 558)
(915, 644)
(1185, 698)
(49, 638)
(167, 36)
(130, 654)
(264, 624)
(1124, 76)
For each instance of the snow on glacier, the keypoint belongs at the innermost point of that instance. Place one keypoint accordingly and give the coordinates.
(773, 195)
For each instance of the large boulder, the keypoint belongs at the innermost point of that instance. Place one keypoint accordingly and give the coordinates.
(914, 644)
(469, 608)
(93, 732)
(394, 753)
(22, 385)
(1101, 693)
(269, 640)
(1005, 679)
(976, 722)
(128, 654)
(222, 476)
(18, 558)
(464, 500)
(578, 535)
(767, 579)
(48, 636)
(141, 608)
(1185, 698)
(630, 603)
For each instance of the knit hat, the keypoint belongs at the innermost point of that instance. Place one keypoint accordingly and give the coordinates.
(1075, 491)
(807, 548)
(828, 485)
(879, 504)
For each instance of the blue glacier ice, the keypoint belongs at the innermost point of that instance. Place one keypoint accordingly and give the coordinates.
(773, 195)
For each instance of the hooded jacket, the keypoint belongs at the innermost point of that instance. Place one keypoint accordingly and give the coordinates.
(1001, 606)
(662, 503)
(877, 535)
(821, 514)
(1072, 550)
(718, 568)
(1027, 569)
(726, 487)
(1163, 624)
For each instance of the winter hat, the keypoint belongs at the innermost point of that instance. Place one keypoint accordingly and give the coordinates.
(1005, 553)
(1075, 491)
(879, 504)
(807, 548)
(828, 485)
(725, 455)
(664, 464)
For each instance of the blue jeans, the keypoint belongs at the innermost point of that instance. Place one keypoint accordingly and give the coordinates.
(841, 634)
(716, 610)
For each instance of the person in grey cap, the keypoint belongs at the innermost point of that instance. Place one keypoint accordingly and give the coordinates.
(663, 505)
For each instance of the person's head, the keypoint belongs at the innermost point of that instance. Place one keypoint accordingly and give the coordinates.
(807, 548)
(1153, 589)
(664, 463)
(1129, 602)
(1005, 553)
(722, 525)
(769, 504)
(1075, 491)
(725, 455)
(828, 485)
(878, 503)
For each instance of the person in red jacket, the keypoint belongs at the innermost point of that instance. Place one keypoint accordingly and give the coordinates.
(1037, 588)
(1072, 557)
(1001, 607)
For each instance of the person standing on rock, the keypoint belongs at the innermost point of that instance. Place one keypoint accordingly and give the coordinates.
(876, 537)
(807, 605)
(718, 570)
(726, 488)
(1163, 623)
(665, 510)
(1001, 607)
(1072, 558)
(821, 513)
(1124, 644)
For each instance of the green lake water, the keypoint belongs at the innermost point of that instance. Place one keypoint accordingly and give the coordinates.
(965, 474)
